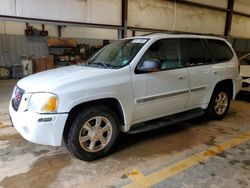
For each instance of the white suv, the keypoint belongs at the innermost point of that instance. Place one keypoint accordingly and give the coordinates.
(121, 88)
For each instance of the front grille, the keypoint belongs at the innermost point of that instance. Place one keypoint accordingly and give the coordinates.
(17, 98)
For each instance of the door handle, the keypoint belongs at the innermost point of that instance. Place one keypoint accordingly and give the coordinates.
(215, 72)
(181, 77)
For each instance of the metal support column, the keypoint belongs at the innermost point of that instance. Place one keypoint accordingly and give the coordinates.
(124, 19)
(230, 7)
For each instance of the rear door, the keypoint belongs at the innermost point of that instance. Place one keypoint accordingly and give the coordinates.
(199, 69)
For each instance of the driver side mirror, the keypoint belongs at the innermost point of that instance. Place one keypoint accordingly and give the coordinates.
(151, 65)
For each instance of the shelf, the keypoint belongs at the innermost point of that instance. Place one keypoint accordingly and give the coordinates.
(61, 47)
(62, 55)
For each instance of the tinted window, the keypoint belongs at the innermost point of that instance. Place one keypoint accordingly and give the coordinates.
(194, 50)
(207, 53)
(167, 52)
(220, 50)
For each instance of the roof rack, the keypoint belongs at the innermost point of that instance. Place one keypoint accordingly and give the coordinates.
(182, 33)
(160, 31)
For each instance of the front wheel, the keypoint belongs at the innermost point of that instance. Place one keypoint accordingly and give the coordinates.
(219, 104)
(93, 133)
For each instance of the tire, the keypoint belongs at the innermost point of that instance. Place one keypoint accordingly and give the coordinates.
(219, 103)
(5, 73)
(93, 133)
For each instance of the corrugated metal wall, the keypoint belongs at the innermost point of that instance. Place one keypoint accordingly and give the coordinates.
(241, 46)
(12, 47)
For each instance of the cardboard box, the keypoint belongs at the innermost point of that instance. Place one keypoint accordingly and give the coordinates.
(43, 64)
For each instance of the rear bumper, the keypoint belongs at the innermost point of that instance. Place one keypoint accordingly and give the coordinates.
(32, 127)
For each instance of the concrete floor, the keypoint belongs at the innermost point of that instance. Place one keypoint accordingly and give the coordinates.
(23, 164)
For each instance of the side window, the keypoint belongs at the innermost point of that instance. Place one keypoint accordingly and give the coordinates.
(194, 51)
(220, 50)
(167, 51)
(208, 55)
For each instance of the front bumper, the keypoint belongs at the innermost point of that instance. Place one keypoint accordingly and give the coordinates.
(37, 129)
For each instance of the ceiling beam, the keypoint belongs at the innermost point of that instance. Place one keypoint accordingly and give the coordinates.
(59, 22)
(200, 5)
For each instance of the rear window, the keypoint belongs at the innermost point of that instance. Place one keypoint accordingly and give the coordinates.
(220, 50)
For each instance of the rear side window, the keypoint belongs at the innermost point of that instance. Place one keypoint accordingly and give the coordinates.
(219, 50)
(194, 51)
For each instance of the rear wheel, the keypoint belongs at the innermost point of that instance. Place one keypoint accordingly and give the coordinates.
(219, 104)
(93, 133)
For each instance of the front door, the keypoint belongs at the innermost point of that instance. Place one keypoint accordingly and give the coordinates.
(166, 90)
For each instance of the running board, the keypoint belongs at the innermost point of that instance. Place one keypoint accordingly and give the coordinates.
(165, 121)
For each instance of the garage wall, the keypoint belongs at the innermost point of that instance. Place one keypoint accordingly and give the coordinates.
(13, 43)
(12, 47)
(241, 46)
(241, 24)
(157, 14)
(17, 28)
(215, 3)
(240, 27)
(242, 6)
(169, 15)
(206, 21)
(91, 11)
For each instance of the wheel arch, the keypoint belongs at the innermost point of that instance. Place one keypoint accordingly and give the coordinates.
(111, 103)
(210, 111)
(228, 83)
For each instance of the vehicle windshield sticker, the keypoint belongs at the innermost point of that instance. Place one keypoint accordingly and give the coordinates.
(142, 41)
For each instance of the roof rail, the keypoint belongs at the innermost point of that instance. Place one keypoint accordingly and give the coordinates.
(181, 33)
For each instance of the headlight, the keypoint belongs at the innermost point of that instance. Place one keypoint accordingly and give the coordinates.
(43, 103)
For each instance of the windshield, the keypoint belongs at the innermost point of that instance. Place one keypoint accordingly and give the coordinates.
(118, 54)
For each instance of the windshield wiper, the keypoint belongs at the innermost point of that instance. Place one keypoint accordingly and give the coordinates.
(107, 66)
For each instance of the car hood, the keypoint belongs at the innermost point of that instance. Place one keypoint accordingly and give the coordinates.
(50, 80)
